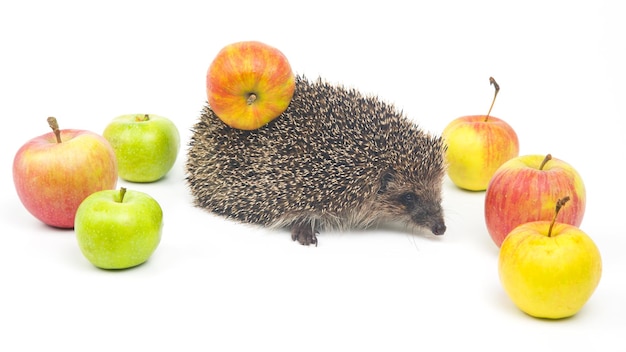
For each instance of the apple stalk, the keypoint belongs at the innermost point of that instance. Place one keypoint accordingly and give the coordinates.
(559, 204)
(251, 98)
(545, 161)
(145, 117)
(496, 86)
(52, 122)
(122, 194)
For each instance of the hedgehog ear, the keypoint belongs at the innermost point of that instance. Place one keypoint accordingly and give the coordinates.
(387, 177)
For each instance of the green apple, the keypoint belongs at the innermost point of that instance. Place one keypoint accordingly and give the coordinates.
(118, 229)
(146, 146)
(549, 269)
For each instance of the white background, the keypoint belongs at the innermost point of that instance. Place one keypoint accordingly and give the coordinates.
(217, 285)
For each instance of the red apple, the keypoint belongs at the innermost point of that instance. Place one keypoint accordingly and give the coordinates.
(526, 188)
(53, 173)
(476, 146)
(249, 84)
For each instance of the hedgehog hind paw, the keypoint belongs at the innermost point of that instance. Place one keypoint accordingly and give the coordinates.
(304, 234)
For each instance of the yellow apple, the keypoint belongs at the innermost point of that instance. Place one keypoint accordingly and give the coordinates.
(476, 146)
(549, 269)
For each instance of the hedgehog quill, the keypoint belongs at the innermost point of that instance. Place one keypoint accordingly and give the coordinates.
(334, 160)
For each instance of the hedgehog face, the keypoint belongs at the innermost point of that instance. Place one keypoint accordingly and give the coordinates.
(414, 203)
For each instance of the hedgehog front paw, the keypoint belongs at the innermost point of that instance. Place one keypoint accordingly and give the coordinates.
(304, 233)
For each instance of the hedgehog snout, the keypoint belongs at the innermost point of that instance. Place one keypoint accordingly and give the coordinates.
(431, 218)
(439, 228)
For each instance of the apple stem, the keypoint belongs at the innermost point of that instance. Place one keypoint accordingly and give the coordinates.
(122, 193)
(52, 122)
(495, 84)
(140, 118)
(545, 161)
(251, 98)
(559, 204)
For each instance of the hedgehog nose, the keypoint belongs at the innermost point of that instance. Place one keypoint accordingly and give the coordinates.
(439, 228)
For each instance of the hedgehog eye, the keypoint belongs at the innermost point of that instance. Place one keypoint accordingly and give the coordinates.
(408, 199)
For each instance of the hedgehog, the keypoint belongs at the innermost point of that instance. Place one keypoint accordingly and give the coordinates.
(335, 159)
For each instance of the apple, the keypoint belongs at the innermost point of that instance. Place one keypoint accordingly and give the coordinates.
(53, 173)
(118, 229)
(476, 146)
(249, 84)
(146, 146)
(526, 188)
(549, 269)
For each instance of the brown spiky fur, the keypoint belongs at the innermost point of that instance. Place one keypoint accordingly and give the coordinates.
(334, 159)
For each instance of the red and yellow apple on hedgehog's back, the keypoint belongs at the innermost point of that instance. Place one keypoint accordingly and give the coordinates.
(249, 84)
